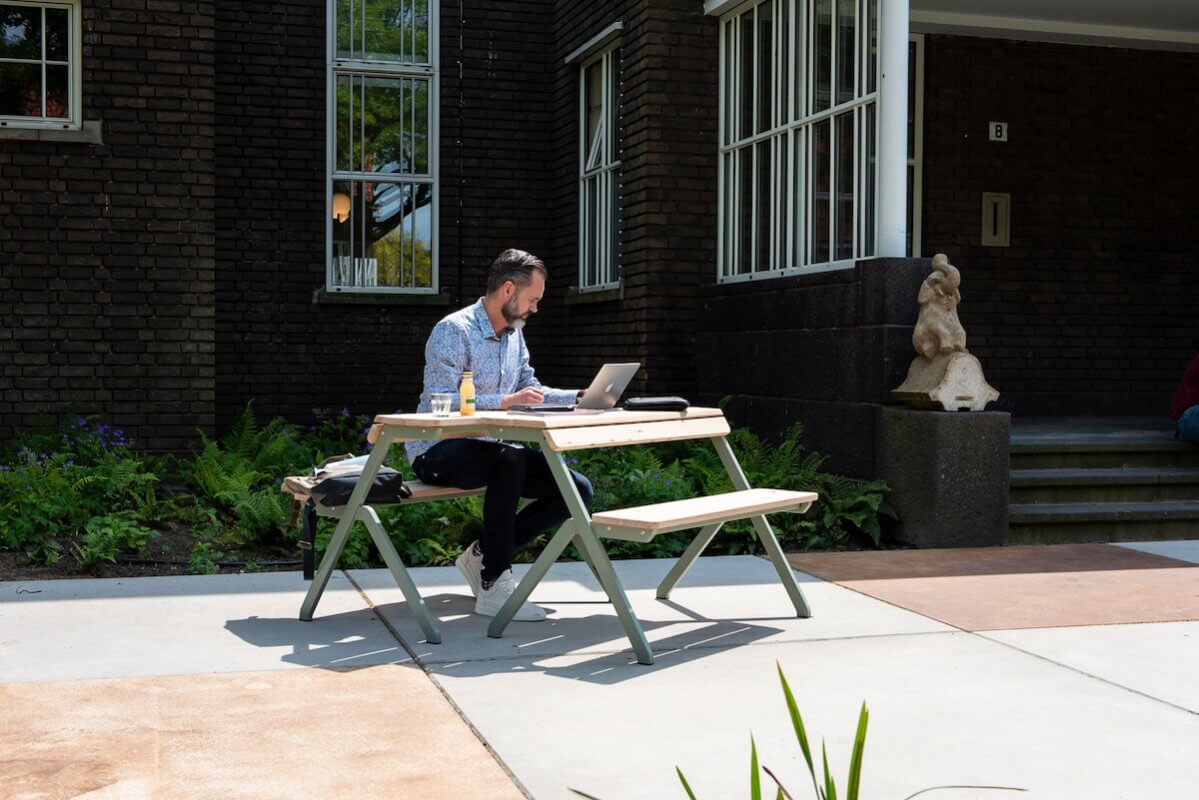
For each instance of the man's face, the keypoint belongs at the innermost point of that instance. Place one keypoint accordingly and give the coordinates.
(522, 301)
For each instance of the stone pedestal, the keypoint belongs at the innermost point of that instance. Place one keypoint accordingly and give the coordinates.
(948, 474)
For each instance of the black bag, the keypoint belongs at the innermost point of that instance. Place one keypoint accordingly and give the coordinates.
(656, 404)
(387, 488)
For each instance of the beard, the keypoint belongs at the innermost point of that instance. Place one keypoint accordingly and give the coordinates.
(512, 316)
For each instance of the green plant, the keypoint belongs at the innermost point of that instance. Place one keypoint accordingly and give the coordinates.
(203, 559)
(109, 535)
(824, 788)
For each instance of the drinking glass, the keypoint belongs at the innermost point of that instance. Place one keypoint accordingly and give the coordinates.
(441, 403)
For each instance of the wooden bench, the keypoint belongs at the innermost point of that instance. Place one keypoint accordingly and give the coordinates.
(300, 487)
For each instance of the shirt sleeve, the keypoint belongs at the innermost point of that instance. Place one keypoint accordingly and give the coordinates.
(528, 378)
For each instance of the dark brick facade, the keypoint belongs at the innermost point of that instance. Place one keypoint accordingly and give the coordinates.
(167, 277)
(106, 251)
(1094, 309)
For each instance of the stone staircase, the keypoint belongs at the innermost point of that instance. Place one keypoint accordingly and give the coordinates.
(1101, 479)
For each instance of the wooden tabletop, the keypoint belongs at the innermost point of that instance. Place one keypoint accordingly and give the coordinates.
(516, 419)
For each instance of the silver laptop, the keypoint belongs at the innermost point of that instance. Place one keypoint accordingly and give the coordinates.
(609, 384)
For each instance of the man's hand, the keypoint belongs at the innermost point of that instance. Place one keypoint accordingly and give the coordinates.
(530, 395)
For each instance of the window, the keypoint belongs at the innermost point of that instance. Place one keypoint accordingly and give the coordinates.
(39, 64)
(915, 139)
(599, 204)
(798, 126)
(382, 146)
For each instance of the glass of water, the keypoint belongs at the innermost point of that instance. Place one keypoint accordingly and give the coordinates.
(441, 403)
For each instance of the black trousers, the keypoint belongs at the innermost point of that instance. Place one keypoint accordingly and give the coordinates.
(509, 472)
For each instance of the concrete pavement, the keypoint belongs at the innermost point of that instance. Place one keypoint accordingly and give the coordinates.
(1069, 671)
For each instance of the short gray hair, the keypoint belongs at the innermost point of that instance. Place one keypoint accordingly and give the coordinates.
(516, 266)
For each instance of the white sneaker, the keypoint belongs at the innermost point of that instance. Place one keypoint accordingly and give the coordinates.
(492, 599)
(471, 567)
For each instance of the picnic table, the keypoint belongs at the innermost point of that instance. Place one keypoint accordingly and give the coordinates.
(561, 433)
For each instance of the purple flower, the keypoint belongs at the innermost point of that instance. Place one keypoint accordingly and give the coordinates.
(4, 467)
(668, 481)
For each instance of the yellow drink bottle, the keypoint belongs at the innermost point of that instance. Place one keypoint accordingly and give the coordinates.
(466, 395)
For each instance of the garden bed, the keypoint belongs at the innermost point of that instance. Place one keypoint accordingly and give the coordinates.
(78, 499)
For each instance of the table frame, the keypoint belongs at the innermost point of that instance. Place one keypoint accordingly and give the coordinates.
(578, 528)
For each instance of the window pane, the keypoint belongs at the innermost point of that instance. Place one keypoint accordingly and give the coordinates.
(823, 54)
(911, 210)
(21, 90)
(347, 121)
(727, 71)
(417, 122)
(745, 201)
(783, 70)
(20, 32)
(56, 91)
(871, 46)
(847, 11)
(765, 63)
(57, 38)
(763, 211)
(383, 30)
(868, 205)
(844, 155)
(800, 37)
(593, 84)
(911, 99)
(382, 234)
(820, 192)
(382, 125)
(349, 29)
(746, 116)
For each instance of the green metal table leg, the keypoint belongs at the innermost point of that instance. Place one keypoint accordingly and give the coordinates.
(428, 624)
(349, 515)
(701, 541)
(495, 629)
(593, 550)
(765, 534)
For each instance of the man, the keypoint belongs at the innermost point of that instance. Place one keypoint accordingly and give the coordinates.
(486, 338)
(1185, 406)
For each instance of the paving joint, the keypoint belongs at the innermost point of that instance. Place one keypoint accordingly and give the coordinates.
(440, 689)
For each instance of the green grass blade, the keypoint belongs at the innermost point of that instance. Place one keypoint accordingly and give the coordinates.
(855, 761)
(800, 733)
(686, 786)
(830, 786)
(755, 774)
(993, 788)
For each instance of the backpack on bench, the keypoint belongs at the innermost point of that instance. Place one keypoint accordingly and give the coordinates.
(332, 488)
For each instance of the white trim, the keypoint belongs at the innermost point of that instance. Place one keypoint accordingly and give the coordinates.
(596, 43)
(74, 120)
(1043, 30)
(398, 70)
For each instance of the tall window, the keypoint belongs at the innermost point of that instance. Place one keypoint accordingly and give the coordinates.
(39, 64)
(382, 146)
(599, 205)
(798, 127)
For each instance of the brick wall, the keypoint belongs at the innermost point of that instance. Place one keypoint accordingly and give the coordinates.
(1093, 308)
(106, 251)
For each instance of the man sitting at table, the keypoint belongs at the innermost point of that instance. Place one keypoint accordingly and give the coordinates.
(486, 338)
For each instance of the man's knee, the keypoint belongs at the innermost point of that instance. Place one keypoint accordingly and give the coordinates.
(512, 461)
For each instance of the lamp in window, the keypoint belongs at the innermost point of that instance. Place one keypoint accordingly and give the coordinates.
(341, 207)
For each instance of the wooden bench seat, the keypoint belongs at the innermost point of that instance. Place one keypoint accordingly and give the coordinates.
(643, 523)
(299, 487)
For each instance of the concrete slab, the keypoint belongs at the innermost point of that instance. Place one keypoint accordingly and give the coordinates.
(67, 630)
(1019, 587)
(1157, 659)
(1178, 550)
(377, 732)
(949, 708)
(724, 601)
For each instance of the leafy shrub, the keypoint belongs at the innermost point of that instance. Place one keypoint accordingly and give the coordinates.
(109, 535)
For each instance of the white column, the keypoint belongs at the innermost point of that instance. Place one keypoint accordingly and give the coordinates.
(893, 128)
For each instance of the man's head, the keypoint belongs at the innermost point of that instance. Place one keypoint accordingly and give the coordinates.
(517, 281)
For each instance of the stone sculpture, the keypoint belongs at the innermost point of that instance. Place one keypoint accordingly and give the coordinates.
(943, 375)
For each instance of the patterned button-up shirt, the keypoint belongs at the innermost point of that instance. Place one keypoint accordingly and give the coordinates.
(464, 341)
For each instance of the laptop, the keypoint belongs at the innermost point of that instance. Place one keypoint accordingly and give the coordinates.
(609, 384)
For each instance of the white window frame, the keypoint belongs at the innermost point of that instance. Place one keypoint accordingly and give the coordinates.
(604, 173)
(917, 161)
(388, 69)
(74, 74)
(789, 201)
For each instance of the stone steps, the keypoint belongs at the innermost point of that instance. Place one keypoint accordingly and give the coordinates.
(1101, 480)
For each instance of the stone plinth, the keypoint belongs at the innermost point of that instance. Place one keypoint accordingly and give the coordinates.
(948, 473)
